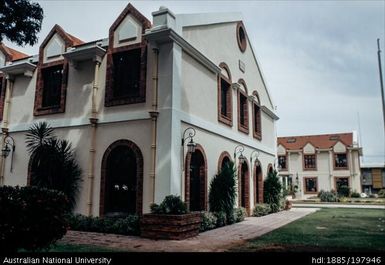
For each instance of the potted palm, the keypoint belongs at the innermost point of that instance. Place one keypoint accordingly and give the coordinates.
(170, 220)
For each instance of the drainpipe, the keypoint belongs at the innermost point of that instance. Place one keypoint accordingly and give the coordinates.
(154, 116)
(92, 150)
(4, 129)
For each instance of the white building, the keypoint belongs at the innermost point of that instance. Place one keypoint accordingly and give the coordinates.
(319, 162)
(125, 103)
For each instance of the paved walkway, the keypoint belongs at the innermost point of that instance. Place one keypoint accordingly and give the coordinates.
(331, 205)
(214, 240)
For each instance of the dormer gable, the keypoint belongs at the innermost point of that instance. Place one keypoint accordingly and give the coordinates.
(309, 149)
(8, 55)
(281, 150)
(339, 147)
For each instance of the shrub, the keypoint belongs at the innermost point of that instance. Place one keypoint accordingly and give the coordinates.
(221, 218)
(275, 207)
(53, 162)
(272, 191)
(209, 221)
(328, 196)
(128, 225)
(239, 214)
(171, 204)
(344, 191)
(261, 209)
(288, 205)
(223, 191)
(381, 193)
(32, 218)
(355, 195)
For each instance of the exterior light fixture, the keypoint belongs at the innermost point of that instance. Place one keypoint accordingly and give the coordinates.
(190, 145)
(255, 154)
(239, 150)
(8, 147)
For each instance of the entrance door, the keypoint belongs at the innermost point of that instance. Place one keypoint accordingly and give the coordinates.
(197, 181)
(258, 182)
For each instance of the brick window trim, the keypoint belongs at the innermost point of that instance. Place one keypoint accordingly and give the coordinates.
(334, 161)
(241, 127)
(225, 119)
(222, 156)
(258, 178)
(2, 95)
(309, 168)
(245, 196)
(257, 134)
(286, 156)
(203, 188)
(146, 24)
(336, 179)
(139, 174)
(241, 44)
(38, 108)
(304, 185)
(110, 100)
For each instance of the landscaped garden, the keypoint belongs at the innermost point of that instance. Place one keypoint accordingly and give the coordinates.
(326, 230)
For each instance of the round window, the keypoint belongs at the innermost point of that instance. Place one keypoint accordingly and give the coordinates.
(241, 37)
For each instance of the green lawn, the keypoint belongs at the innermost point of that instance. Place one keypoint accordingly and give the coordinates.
(60, 247)
(326, 230)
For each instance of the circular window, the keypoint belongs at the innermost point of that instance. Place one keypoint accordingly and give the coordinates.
(241, 37)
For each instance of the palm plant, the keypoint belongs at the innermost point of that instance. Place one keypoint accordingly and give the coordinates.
(53, 163)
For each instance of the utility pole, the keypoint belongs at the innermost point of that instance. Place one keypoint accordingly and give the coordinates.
(382, 84)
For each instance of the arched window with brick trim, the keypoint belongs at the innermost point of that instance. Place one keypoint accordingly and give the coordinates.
(225, 101)
(257, 122)
(243, 107)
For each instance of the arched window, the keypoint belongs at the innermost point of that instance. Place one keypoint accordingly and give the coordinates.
(241, 37)
(258, 182)
(243, 107)
(244, 186)
(223, 159)
(257, 123)
(225, 108)
(121, 179)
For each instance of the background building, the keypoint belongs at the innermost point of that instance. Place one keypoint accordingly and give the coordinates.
(319, 162)
(372, 178)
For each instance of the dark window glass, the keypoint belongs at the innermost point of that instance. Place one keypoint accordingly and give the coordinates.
(310, 161)
(257, 119)
(311, 185)
(341, 161)
(243, 110)
(225, 104)
(282, 162)
(126, 73)
(52, 83)
(342, 186)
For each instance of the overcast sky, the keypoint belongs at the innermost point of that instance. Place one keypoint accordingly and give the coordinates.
(319, 58)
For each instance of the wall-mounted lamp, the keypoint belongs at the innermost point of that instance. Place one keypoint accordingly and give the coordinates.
(255, 154)
(239, 150)
(190, 145)
(8, 147)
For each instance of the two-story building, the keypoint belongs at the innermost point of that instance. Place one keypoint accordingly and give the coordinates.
(154, 109)
(326, 162)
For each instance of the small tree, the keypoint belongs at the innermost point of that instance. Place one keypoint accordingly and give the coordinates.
(53, 162)
(20, 21)
(223, 190)
(272, 191)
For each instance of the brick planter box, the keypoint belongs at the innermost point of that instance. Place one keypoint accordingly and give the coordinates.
(164, 226)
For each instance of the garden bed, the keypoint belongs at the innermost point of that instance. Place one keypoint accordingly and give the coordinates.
(169, 226)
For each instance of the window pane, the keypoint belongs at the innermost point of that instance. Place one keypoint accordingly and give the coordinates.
(310, 161)
(341, 160)
(224, 103)
(243, 110)
(311, 184)
(126, 73)
(282, 162)
(52, 82)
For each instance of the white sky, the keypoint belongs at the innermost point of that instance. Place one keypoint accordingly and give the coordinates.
(319, 58)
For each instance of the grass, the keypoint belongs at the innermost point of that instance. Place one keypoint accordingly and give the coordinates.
(326, 230)
(374, 201)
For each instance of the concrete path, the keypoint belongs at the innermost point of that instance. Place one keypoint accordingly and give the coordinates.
(214, 240)
(331, 205)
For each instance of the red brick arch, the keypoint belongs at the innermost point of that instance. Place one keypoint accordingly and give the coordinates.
(258, 182)
(246, 195)
(203, 176)
(223, 155)
(139, 174)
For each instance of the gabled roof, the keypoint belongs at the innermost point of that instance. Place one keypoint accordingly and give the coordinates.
(69, 39)
(323, 141)
(11, 54)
